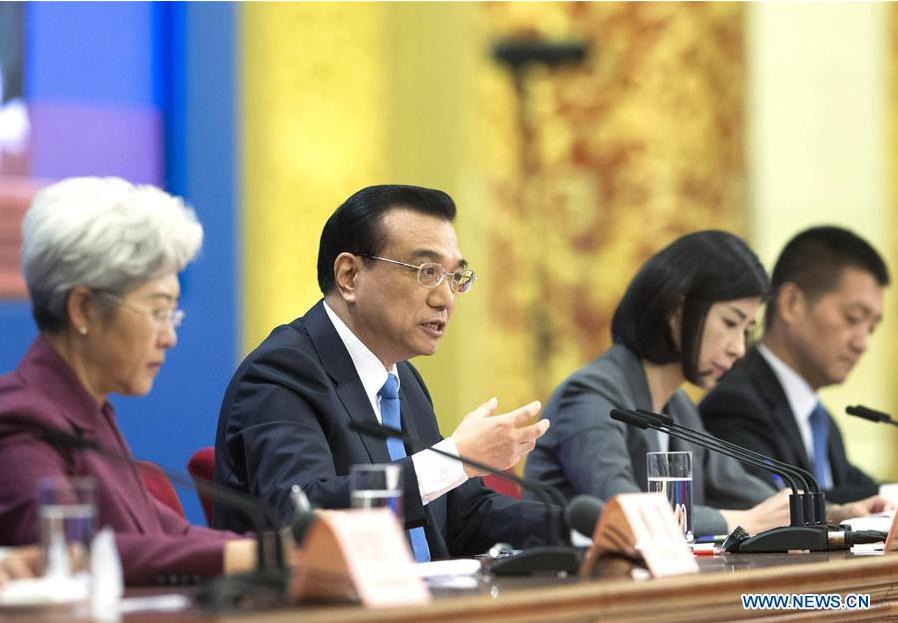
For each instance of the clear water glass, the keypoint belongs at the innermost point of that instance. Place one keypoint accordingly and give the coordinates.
(377, 486)
(670, 473)
(68, 512)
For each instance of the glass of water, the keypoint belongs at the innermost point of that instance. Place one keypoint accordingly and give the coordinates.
(377, 486)
(670, 473)
(67, 511)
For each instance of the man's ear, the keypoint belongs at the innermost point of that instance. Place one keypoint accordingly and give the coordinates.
(791, 303)
(81, 309)
(347, 269)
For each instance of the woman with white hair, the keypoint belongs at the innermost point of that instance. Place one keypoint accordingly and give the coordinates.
(101, 259)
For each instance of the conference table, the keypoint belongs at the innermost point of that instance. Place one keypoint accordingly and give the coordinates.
(712, 595)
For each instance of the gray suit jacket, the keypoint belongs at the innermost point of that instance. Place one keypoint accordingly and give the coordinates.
(585, 451)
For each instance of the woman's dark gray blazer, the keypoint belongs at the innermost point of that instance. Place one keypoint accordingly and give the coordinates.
(585, 451)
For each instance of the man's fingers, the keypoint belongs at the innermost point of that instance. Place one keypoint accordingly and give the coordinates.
(879, 504)
(529, 434)
(486, 409)
(523, 415)
(526, 447)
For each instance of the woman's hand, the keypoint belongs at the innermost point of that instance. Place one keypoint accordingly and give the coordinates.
(19, 562)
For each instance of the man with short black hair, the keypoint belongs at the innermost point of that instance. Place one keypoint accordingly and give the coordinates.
(390, 271)
(828, 298)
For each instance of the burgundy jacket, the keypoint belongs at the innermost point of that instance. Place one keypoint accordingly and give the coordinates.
(156, 544)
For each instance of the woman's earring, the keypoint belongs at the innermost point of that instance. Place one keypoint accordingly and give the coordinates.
(82, 330)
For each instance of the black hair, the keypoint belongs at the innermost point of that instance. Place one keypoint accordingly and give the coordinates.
(815, 258)
(696, 270)
(356, 226)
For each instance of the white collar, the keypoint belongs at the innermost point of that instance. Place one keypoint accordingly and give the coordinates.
(370, 369)
(802, 398)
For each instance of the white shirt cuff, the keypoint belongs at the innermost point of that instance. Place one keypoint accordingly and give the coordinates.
(438, 474)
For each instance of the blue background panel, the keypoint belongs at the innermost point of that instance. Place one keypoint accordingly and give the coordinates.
(90, 51)
(176, 60)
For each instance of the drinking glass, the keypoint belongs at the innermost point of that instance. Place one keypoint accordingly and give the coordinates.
(377, 486)
(67, 511)
(670, 473)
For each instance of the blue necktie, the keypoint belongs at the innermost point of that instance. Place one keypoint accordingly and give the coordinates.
(820, 434)
(389, 413)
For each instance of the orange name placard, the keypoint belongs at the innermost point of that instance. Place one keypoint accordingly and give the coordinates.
(641, 525)
(358, 554)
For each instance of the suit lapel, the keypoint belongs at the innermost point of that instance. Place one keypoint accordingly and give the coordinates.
(835, 451)
(338, 364)
(773, 393)
(634, 376)
(352, 396)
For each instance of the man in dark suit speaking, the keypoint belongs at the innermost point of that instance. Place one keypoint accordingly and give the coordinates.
(390, 270)
(828, 298)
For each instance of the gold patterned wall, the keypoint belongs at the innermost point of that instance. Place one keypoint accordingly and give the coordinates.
(313, 104)
(641, 143)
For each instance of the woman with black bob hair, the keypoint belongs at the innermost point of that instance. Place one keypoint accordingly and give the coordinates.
(677, 288)
(685, 316)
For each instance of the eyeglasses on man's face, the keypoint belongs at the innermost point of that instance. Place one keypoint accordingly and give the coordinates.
(432, 274)
(163, 317)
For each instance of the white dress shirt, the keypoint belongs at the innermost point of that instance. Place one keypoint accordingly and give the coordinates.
(802, 399)
(437, 475)
(663, 442)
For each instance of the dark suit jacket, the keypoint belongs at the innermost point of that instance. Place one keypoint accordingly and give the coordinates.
(284, 421)
(585, 451)
(749, 407)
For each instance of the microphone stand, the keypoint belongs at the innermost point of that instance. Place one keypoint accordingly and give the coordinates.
(782, 539)
(776, 539)
(553, 558)
(814, 498)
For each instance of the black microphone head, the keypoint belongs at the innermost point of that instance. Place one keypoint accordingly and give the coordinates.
(367, 428)
(582, 514)
(376, 430)
(658, 418)
(867, 413)
(302, 521)
(629, 417)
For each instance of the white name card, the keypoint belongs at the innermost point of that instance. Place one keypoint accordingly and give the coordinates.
(641, 525)
(358, 554)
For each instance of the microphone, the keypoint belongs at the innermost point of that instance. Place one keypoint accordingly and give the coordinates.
(266, 584)
(814, 500)
(582, 514)
(782, 539)
(261, 516)
(303, 514)
(537, 559)
(870, 414)
(645, 419)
